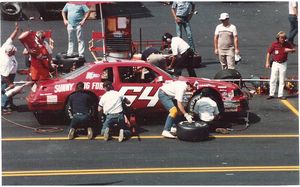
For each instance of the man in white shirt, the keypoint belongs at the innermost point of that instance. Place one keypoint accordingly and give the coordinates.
(111, 105)
(8, 69)
(206, 107)
(182, 55)
(226, 42)
(167, 94)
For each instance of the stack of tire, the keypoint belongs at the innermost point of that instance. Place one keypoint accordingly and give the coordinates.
(194, 131)
(229, 74)
(11, 11)
(68, 63)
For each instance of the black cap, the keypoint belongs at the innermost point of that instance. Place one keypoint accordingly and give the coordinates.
(166, 36)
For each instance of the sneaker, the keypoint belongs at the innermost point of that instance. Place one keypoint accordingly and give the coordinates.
(121, 135)
(270, 97)
(90, 133)
(106, 134)
(173, 130)
(168, 134)
(13, 106)
(71, 134)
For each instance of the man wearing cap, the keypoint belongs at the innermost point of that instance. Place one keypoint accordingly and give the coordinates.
(182, 55)
(8, 69)
(167, 94)
(182, 12)
(226, 42)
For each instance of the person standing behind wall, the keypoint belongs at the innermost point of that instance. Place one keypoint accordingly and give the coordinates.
(226, 42)
(293, 19)
(77, 15)
(182, 12)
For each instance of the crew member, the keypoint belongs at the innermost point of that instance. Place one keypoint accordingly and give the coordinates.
(182, 55)
(111, 105)
(80, 109)
(279, 51)
(8, 69)
(154, 57)
(167, 94)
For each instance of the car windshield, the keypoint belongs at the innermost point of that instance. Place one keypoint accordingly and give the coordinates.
(76, 72)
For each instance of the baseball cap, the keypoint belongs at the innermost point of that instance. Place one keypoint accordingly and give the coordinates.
(224, 16)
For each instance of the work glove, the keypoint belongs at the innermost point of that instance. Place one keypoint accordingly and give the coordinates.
(188, 117)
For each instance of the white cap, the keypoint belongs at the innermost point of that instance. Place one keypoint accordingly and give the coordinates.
(224, 16)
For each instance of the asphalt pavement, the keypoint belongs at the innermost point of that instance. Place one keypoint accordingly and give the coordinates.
(266, 153)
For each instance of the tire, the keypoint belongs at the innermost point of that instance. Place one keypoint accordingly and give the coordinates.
(230, 74)
(65, 63)
(48, 118)
(11, 11)
(213, 95)
(195, 131)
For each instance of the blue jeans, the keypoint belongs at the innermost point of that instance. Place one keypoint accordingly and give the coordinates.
(112, 119)
(167, 102)
(187, 27)
(4, 99)
(75, 34)
(293, 28)
(80, 121)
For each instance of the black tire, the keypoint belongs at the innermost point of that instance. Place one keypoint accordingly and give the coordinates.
(213, 95)
(66, 63)
(48, 118)
(11, 11)
(228, 74)
(195, 131)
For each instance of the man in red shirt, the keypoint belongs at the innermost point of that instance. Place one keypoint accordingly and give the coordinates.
(279, 51)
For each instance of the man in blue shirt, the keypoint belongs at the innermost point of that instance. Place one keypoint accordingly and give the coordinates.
(77, 15)
(183, 12)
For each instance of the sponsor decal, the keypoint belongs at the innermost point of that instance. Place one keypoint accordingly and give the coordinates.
(51, 99)
(92, 75)
(63, 87)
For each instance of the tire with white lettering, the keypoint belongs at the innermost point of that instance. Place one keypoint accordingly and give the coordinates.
(195, 131)
(11, 11)
(213, 95)
(67, 63)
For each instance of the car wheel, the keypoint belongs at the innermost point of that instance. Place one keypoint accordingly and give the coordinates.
(213, 95)
(195, 131)
(48, 118)
(66, 63)
(11, 11)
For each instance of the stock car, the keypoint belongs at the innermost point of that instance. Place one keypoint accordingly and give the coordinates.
(137, 80)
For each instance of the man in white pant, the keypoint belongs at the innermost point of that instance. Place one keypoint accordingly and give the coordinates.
(77, 15)
(279, 51)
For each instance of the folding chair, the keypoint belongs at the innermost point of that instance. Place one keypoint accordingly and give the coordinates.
(96, 45)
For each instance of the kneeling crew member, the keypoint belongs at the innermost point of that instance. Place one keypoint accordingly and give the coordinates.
(167, 94)
(111, 105)
(80, 107)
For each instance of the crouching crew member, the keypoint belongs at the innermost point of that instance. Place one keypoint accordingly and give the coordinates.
(182, 55)
(167, 94)
(80, 104)
(111, 105)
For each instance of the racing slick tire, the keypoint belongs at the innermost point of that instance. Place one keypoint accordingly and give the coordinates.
(213, 95)
(66, 63)
(195, 131)
(229, 74)
(11, 11)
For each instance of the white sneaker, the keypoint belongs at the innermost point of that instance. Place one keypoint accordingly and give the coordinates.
(167, 134)
(121, 135)
(173, 130)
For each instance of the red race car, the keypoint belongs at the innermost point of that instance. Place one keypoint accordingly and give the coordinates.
(137, 80)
